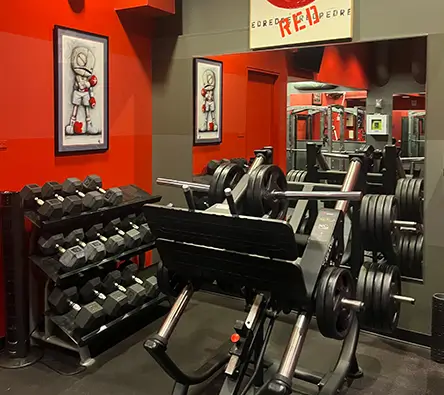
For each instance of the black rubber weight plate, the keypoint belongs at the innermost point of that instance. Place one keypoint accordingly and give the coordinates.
(371, 216)
(378, 313)
(321, 315)
(403, 253)
(380, 215)
(391, 233)
(226, 176)
(418, 195)
(392, 286)
(410, 197)
(368, 296)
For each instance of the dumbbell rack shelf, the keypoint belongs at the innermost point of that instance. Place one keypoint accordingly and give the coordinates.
(65, 322)
(51, 266)
(133, 199)
(59, 330)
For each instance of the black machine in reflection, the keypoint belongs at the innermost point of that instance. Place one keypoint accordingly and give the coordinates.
(304, 259)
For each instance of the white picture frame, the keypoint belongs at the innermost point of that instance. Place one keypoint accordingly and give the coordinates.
(208, 96)
(81, 62)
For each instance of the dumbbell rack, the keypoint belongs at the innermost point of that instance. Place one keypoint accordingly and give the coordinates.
(59, 330)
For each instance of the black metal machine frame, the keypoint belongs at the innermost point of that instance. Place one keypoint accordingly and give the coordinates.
(264, 255)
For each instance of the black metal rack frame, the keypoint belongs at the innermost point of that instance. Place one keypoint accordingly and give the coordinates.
(58, 329)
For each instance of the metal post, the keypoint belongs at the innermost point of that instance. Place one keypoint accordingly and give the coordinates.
(17, 353)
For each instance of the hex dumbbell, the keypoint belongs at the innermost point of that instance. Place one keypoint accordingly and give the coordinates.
(70, 259)
(136, 293)
(132, 238)
(51, 208)
(91, 200)
(89, 316)
(71, 205)
(114, 304)
(150, 284)
(138, 223)
(114, 244)
(95, 250)
(112, 196)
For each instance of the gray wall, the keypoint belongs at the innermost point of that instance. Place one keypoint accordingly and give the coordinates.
(216, 27)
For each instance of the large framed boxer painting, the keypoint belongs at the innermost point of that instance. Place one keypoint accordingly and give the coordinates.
(208, 79)
(81, 91)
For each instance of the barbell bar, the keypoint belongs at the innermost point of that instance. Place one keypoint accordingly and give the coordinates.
(320, 195)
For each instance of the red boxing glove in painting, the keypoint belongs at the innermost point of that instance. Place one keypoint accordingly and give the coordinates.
(92, 102)
(203, 92)
(93, 80)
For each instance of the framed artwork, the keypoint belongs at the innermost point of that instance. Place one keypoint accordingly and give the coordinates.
(81, 91)
(208, 83)
(316, 99)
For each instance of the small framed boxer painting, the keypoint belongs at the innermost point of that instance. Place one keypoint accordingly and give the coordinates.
(81, 91)
(208, 84)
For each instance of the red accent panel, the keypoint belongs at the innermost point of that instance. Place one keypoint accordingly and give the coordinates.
(28, 129)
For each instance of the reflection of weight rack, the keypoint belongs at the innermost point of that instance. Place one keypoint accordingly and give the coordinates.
(59, 330)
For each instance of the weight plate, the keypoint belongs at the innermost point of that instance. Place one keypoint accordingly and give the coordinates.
(291, 174)
(391, 232)
(226, 176)
(391, 307)
(380, 218)
(258, 199)
(410, 191)
(416, 268)
(418, 200)
(300, 177)
(404, 254)
(335, 318)
(400, 193)
(371, 221)
(363, 221)
(360, 290)
(368, 296)
(321, 289)
(377, 310)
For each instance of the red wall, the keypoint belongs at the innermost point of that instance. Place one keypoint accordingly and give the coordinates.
(27, 133)
(401, 107)
(28, 127)
(234, 107)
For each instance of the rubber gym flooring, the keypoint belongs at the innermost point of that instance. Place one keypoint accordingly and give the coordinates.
(390, 368)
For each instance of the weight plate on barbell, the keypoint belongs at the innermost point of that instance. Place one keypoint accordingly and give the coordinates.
(411, 254)
(291, 174)
(226, 176)
(377, 309)
(389, 305)
(410, 195)
(258, 198)
(333, 318)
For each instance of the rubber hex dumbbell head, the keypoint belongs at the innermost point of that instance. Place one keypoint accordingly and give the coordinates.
(73, 258)
(115, 303)
(152, 288)
(128, 273)
(145, 233)
(73, 237)
(91, 316)
(110, 228)
(92, 182)
(136, 294)
(50, 189)
(126, 222)
(110, 280)
(95, 251)
(48, 246)
(92, 200)
(88, 291)
(60, 300)
(93, 232)
(51, 208)
(114, 196)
